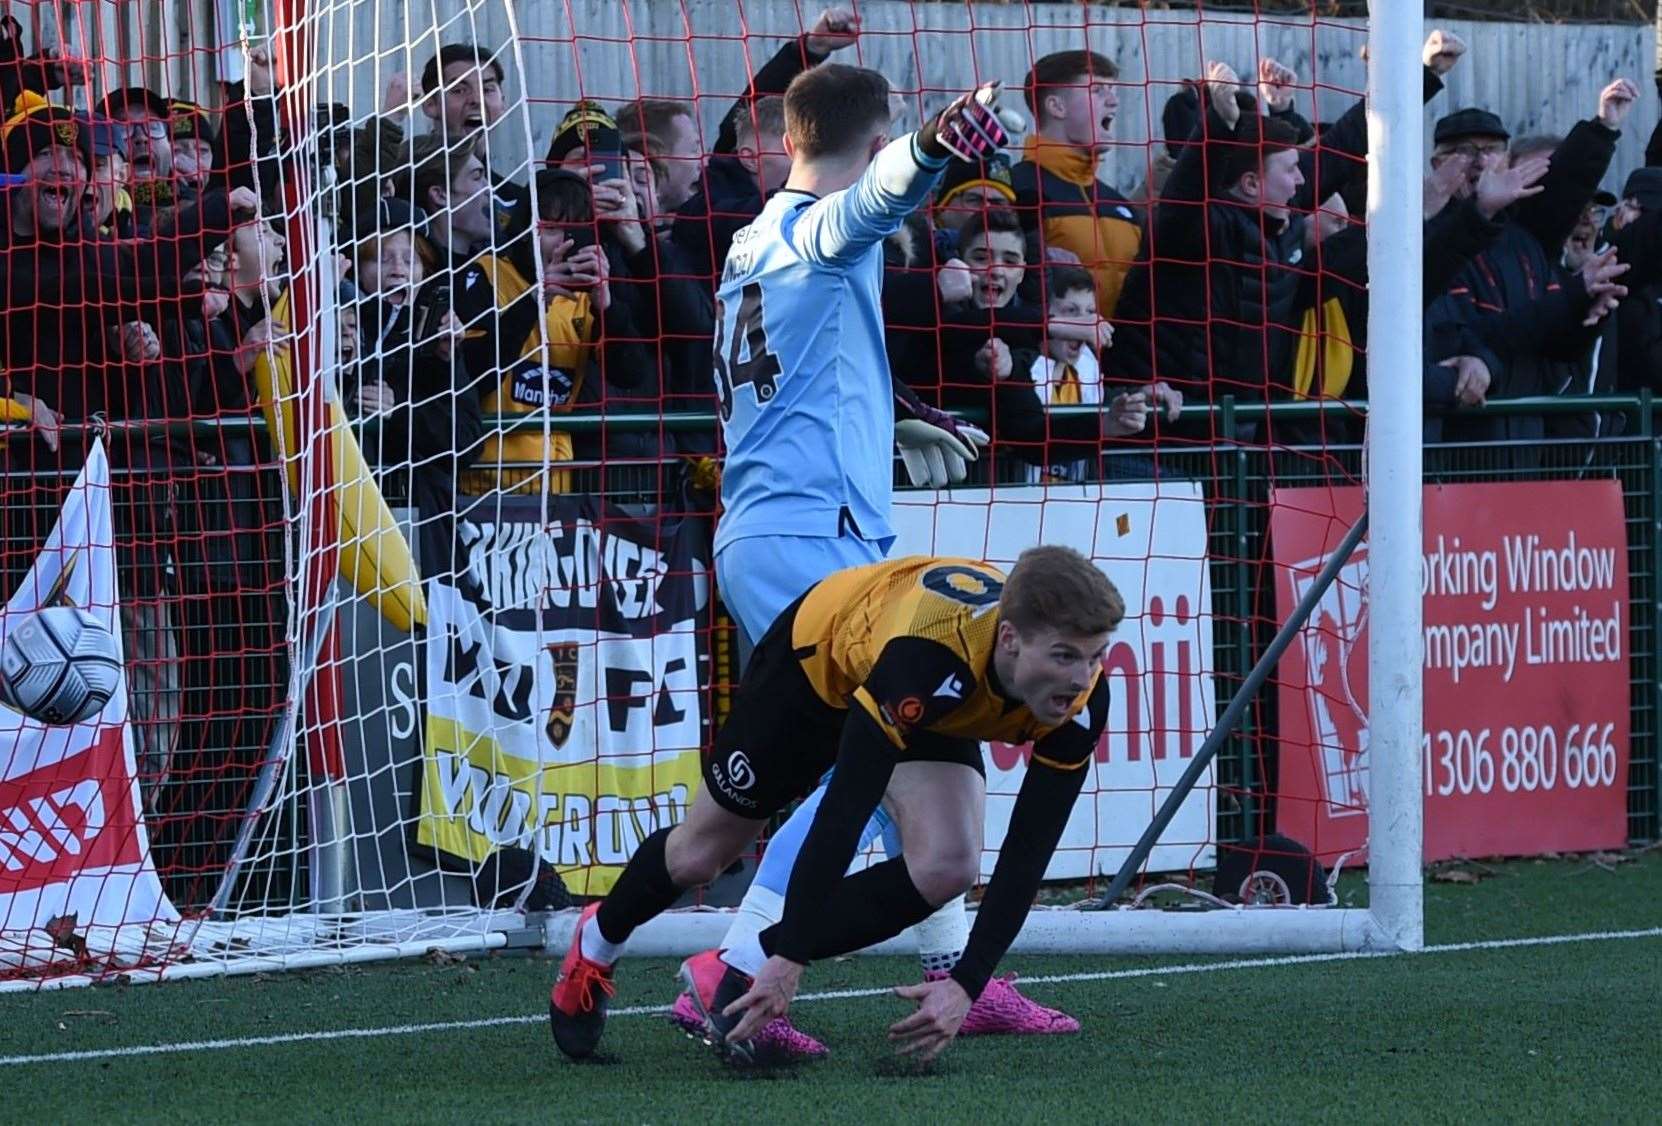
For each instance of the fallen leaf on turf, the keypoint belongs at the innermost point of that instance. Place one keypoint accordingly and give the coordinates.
(438, 957)
(62, 932)
(1456, 876)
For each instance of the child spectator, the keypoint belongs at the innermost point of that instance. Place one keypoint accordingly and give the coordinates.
(1067, 373)
(407, 372)
(991, 343)
(965, 191)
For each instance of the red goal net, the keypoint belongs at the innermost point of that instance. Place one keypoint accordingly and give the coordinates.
(383, 347)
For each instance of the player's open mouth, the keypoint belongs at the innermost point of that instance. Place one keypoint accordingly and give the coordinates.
(1061, 703)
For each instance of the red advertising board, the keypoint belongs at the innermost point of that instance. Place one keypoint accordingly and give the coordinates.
(1526, 670)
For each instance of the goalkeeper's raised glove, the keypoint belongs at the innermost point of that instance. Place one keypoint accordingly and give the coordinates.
(935, 456)
(972, 128)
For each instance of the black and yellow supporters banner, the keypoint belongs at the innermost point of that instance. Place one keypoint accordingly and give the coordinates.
(566, 665)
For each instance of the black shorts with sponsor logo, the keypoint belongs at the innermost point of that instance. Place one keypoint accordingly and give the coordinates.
(781, 738)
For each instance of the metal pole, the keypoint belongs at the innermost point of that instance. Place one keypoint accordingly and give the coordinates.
(1396, 805)
(1232, 714)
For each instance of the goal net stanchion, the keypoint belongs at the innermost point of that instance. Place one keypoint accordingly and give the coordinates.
(487, 750)
(1396, 429)
(1394, 917)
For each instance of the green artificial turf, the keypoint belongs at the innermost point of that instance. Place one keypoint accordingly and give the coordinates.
(1556, 1032)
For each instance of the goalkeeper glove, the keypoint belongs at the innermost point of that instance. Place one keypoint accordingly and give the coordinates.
(935, 456)
(972, 128)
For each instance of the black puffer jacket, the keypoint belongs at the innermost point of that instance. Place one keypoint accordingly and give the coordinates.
(1519, 301)
(1215, 309)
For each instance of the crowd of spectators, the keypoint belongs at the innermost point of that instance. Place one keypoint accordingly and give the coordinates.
(146, 267)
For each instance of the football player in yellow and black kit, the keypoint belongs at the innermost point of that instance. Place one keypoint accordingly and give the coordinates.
(893, 673)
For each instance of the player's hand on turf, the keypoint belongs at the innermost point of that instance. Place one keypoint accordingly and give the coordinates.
(942, 1007)
(954, 281)
(835, 29)
(770, 996)
(972, 128)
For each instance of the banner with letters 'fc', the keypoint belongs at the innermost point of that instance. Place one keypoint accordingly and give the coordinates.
(1526, 666)
(565, 664)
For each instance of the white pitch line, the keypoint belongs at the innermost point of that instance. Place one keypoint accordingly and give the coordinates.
(829, 995)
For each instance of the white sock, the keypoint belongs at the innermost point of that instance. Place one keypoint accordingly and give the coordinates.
(595, 947)
(759, 909)
(942, 937)
(746, 955)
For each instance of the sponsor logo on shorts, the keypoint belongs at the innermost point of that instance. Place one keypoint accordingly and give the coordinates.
(909, 710)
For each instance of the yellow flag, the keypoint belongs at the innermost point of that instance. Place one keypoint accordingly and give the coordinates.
(374, 556)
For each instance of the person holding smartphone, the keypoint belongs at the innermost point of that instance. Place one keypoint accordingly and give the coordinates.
(407, 388)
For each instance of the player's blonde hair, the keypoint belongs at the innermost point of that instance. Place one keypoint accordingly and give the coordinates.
(1054, 587)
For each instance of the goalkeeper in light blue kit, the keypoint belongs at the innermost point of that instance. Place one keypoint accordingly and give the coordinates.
(811, 416)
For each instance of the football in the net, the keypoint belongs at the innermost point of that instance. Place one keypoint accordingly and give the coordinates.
(59, 666)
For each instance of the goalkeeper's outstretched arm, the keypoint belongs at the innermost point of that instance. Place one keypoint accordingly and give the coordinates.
(837, 230)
